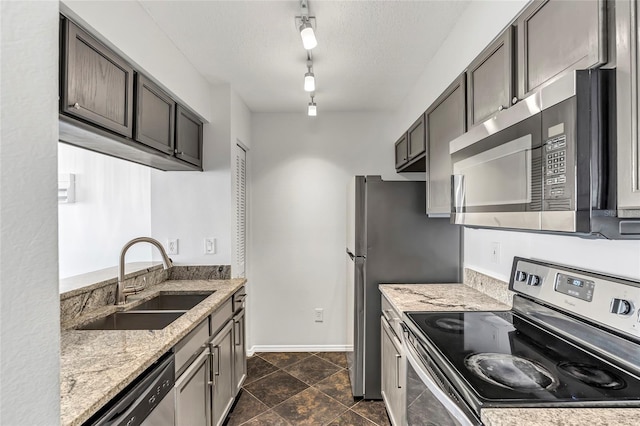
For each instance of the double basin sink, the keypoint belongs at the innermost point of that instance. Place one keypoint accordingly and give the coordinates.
(154, 314)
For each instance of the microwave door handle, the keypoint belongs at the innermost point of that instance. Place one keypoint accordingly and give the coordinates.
(457, 193)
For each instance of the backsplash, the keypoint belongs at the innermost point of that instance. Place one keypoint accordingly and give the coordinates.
(490, 286)
(76, 302)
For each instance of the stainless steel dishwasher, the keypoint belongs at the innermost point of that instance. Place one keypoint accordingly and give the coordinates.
(148, 402)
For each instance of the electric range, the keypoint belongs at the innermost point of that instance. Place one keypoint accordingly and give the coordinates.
(572, 339)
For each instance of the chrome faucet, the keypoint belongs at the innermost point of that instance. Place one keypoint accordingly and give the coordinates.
(121, 291)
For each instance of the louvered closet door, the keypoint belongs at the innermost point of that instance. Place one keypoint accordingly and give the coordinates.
(241, 210)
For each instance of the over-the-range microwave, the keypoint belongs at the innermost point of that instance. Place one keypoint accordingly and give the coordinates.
(545, 164)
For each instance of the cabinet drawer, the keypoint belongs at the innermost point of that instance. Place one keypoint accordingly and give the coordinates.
(191, 346)
(392, 316)
(220, 317)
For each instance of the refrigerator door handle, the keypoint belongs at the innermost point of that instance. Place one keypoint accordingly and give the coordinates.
(351, 255)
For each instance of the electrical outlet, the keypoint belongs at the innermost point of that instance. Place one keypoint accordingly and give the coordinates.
(172, 246)
(209, 246)
(495, 252)
(319, 313)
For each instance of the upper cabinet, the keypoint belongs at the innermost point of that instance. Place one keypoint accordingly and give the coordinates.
(410, 148)
(101, 109)
(188, 137)
(445, 121)
(490, 80)
(155, 116)
(97, 85)
(416, 138)
(558, 36)
(628, 102)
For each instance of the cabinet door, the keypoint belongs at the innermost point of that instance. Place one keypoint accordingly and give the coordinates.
(239, 351)
(223, 391)
(188, 137)
(556, 36)
(192, 393)
(628, 103)
(416, 138)
(445, 121)
(402, 151)
(392, 374)
(155, 116)
(490, 80)
(97, 84)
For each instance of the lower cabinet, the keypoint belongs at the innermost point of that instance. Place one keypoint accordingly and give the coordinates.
(392, 374)
(192, 393)
(223, 390)
(211, 365)
(239, 350)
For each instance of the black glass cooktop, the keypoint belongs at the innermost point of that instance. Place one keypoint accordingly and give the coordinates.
(503, 358)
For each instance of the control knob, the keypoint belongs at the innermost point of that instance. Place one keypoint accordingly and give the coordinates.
(521, 276)
(621, 307)
(533, 280)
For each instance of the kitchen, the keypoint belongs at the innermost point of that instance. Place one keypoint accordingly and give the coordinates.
(324, 153)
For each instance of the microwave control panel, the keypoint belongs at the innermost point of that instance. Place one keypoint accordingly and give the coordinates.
(556, 175)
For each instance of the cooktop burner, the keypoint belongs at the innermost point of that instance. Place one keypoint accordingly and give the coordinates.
(505, 359)
(511, 372)
(592, 375)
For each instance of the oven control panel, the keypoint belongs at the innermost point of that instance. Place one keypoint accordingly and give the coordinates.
(611, 301)
(575, 287)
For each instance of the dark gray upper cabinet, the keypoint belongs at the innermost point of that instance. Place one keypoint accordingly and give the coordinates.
(416, 138)
(155, 116)
(556, 36)
(490, 80)
(97, 85)
(188, 137)
(402, 151)
(445, 121)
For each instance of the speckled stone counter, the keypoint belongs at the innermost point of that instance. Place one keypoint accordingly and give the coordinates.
(472, 297)
(560, 416)
(439, 297)
(97, 364)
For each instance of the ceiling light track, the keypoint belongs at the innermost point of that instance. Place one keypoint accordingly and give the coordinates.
(309, 41)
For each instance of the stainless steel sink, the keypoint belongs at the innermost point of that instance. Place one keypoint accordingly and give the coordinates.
(171, 302)
(133, 321)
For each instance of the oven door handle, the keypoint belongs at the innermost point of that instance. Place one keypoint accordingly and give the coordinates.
(425, 377)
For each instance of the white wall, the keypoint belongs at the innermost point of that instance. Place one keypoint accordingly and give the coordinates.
(29, 301)
(620, 258)
(300, 168)
(193, 205)
(113, 205)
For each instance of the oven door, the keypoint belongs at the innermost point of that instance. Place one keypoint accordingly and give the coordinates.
(497, 181)
(427, 404)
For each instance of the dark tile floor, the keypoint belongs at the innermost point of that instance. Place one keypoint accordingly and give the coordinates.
(302, 388)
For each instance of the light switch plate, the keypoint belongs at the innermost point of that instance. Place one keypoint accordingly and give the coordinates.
(209, 245)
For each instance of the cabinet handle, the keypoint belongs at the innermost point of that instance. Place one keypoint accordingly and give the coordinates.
(76, 106)
(236, 335)
(398, 356)
(514, 100)
(500, 108)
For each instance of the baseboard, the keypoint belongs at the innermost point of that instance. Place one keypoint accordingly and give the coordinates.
(299, 348)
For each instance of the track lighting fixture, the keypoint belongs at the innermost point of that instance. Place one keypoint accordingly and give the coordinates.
(312, 111)
(307, 34)
(309, 79)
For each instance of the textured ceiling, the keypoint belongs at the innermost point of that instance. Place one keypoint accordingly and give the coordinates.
(369, 53)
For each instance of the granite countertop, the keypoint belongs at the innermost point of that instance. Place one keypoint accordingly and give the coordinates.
(439, 297)
(97, 364)
(461, 297)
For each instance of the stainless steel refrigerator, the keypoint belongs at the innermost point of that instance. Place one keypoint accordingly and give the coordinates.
(389, 240)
